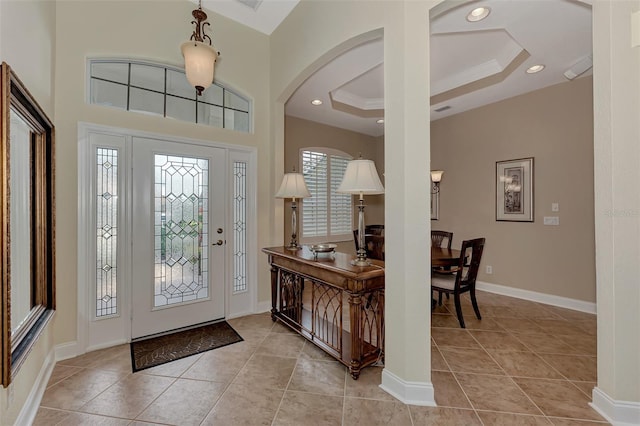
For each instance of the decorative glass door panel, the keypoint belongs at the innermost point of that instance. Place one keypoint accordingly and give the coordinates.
(178, 270)
(181, 242)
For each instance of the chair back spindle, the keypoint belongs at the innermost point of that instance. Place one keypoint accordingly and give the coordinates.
(438, 237)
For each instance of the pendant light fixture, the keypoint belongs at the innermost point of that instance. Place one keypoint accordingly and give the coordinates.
(199, 56)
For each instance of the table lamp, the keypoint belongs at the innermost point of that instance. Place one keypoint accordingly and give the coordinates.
(293, 186)
(361, 177)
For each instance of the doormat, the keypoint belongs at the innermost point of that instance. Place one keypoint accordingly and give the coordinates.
(148, 352)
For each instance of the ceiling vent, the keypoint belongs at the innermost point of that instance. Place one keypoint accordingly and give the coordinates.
(443, 108)
(253, 4)
(579, 67)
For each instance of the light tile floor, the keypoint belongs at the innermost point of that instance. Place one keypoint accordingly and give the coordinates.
(524, 363)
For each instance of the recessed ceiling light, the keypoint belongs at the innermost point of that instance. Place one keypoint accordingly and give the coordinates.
(380, 120)
(316, 102)
(478, 14)
(535, 68)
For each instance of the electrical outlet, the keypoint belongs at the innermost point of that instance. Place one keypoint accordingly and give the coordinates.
(489, 269)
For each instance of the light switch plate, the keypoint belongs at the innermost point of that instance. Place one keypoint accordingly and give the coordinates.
(555, 207)
(551, 220)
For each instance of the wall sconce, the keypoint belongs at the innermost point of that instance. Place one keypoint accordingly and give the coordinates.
(199, 57)
(436, 177)
(293, 186)
(361, 177)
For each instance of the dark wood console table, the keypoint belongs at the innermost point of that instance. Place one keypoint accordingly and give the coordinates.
(333, 304)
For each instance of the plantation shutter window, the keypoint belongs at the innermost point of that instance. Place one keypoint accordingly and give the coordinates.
(326, 215)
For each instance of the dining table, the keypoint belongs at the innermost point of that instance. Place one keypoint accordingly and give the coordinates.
(444, 257)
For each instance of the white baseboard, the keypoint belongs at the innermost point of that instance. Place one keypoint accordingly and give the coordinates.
(104, 345)
(240, 314)
(66, 351)
(618, 413)
(549, 299)
(30, 408)
(263, 307)
(414, 393)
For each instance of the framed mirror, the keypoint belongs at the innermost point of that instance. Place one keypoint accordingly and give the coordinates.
(27, 222)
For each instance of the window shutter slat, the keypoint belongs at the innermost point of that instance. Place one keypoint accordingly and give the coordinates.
(326, 213)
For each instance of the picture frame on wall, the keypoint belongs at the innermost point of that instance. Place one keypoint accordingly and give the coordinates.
(435, 203)
(514, 190)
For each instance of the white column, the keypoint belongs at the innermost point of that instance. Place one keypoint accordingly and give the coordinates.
(407, 373)
(617, 210)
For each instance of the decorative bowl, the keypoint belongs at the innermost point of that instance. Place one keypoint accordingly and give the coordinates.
(323, 248)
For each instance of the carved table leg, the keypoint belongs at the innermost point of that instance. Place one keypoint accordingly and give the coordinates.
(274, 292)
(355, 305)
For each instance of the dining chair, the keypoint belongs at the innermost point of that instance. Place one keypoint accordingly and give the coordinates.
(437, 240)
(437, 237)
(368, 230)
(464, 280)
(374, 244)
(374, 229)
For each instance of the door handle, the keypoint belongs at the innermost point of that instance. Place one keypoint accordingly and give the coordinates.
(218, 243)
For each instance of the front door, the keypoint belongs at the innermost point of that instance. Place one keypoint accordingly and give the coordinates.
(178, 255)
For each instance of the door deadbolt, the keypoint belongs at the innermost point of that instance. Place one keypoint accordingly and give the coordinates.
(219, 230)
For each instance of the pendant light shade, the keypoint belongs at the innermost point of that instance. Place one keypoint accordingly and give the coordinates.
(199, 55)
(199, 62)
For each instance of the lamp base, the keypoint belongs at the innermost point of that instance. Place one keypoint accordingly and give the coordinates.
(360, 262)
(293, 247)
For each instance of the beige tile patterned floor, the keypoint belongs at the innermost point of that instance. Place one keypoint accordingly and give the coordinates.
(524, 363)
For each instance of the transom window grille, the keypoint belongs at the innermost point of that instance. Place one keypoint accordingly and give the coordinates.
(326, 215)
(106, 231)
(162, 90)
(239, 226)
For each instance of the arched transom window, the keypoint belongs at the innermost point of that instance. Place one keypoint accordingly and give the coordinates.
(163, 90)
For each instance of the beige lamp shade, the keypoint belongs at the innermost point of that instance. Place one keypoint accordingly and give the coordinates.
(361, 177)
(199, 62)
(436, 175)
(293, 186)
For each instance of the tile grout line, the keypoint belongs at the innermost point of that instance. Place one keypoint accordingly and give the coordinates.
(175, 379)
(228, 385)
(457, 382)
(275, 415)
(344, 394)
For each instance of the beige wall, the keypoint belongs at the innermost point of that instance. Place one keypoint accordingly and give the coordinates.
(292, 53)
(125, 30)
(555, 126)
(300, 133)
(29, 48)
(27, 39)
